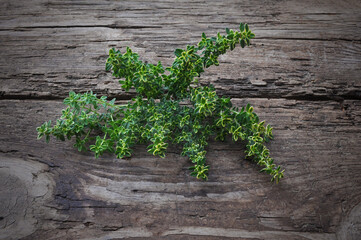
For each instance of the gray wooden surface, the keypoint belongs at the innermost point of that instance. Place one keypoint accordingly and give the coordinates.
(302, 75)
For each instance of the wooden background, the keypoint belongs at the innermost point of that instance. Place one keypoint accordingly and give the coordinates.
(302, 75)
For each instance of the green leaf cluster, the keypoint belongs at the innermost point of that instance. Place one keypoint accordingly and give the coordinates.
(170, 107)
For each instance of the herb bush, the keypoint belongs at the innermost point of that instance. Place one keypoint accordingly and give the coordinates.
(170, 107)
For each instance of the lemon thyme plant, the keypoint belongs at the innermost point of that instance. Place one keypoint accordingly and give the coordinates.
(170, 107)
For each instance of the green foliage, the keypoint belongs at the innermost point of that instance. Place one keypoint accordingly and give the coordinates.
(160, 114)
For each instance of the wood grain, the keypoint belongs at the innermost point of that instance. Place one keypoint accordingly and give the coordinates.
(302, 75)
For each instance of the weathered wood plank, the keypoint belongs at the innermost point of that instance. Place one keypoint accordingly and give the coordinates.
(74, 59)
(317, 142)
(49, 49)
(275, 19)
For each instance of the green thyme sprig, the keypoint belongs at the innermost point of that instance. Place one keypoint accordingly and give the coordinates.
(158, 115)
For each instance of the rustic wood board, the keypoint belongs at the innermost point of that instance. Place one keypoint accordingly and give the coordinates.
(300, 52)
(69, 60)
(302, 74)
(318, 145)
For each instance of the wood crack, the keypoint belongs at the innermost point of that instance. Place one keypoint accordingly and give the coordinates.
(311, 39)
(308, 97)
(112, 26)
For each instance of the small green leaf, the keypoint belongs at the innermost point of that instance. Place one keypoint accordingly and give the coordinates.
(243, 43)
(108, 66)
(246, 27)
(178, 52)
(241, 27)
(247, 41)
